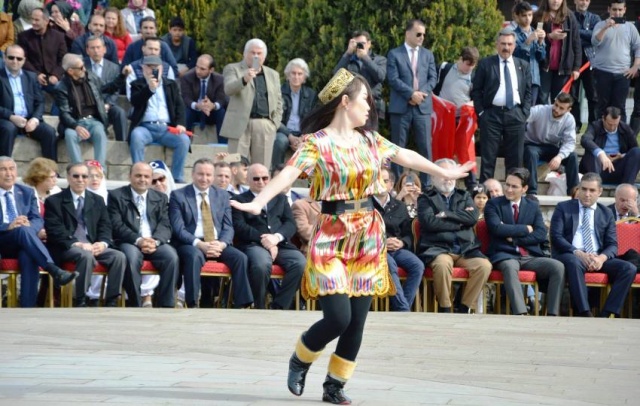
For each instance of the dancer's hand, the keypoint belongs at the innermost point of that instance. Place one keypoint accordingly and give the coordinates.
(458, 172)
(250, 207)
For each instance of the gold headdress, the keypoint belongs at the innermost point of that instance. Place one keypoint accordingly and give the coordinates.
(336, 85)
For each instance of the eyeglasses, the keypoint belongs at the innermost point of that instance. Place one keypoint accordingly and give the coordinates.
(14, 58)
(77, 67)
(161, 179)
(95, 176)
(258, 178)
(419, 34)
(78, 176)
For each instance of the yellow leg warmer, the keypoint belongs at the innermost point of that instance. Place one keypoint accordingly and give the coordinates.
(304, 354)
(340, 368)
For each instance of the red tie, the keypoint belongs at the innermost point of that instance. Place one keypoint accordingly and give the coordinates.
(523, 252)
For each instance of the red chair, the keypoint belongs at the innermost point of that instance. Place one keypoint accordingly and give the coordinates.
(629, 238)
(9, 266)
(219, 270)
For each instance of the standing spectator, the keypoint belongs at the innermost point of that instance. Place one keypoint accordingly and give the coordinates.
(115, 29)
(255, 104)
(411, 74)
(182, 46)
(586, 21)
(6, 31)
(501, 94)
(96, 28)
(149, 29)
(359, 58)
(63, 20)
(133, 15)
(23, 22)
(530, 44)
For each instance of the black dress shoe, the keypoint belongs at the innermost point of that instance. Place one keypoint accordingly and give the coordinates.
(112, 302)
(297, 374)
(93, 303)
(586, 313)
(61, 278)
(80, 302)
(334, 392)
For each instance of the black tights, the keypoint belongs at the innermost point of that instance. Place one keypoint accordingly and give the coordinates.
(344, 317)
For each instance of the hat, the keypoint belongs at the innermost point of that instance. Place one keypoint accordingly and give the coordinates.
(152, 60)
(336, 85)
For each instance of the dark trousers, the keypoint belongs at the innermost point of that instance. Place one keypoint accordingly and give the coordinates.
(550, 85)
(621, 274)
(407, 260)
(44, 134)
(85, 261)
(191, 262)
(626, 168)
(260, 264)
(23, 243)
(588, 83)
(194, 118)
(534, 153)
(342, 317)
(501, 128)
(118, 119)
(612, 90)
(164, 259)
(280, 146)
(419, 125)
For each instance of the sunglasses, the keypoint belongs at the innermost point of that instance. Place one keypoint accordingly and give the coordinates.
(258, 178)
(420, 34)
(161, 179)
(13, 58)
(78, 176)
(77, 67)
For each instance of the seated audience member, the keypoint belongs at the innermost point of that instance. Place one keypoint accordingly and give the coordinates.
(82, 108)
(141, 230)
(583, 238)
(551, 137)
(291, 194)
(222, 175)
(494, 188)
(480, 196)
(157, 104)
(150, 47)
(22, 107)
(297, 101)
(133, 15)
(408, 188)
(447, 219)
(206, 233)
(611, 149)
(239, 176)
(149, 29)
(305, 213)
(517, 230)
(182, 46)
(626, 203)
(79, 230)
(399, 246)
(266, 239)
(203, 95)
(62, 19)
(23, 21)
(97, 184)
(21, 236)
(116, 30)
(95, 29)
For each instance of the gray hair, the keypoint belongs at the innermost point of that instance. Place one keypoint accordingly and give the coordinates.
(446, 161)
(5, 158)
(255, 42)
(297, 63)
(69, 60)
(26, 7)
(506, 32)
(623, 186)
(94, 38)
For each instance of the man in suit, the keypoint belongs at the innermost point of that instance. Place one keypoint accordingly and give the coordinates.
(517, 229)
(411, 73)
(157, 104)
(141, 230)
(255, 104)
(107, 71)
(79, 230)
(611, 149)
(501, 94)
(96, 29)
(21, 223)
(203, 94)
(22, 107)
(626, 204)
(200, 217)
(266, 239)
(447, 219)
(583, 238)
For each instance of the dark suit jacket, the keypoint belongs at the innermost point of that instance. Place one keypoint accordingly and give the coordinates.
(486, 82)
(32, 95)
(400, 78)
(564, 224)
(134, 52)
(278, 218)
(43, 56)
(190, 87)
(26, 205)
(140, 95)
(110, 72)
(183, 215)
(439, 234)
(60, 220)
(396, 221)
(308, 101)
(596, 136)
(499, 217)
(126, 219)
(79, 47)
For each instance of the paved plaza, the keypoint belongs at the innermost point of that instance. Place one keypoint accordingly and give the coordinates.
(239, 357)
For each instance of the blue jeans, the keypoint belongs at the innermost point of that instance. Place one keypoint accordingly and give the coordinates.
(533, 153)
(98, 137)
(414, 267)
(147, 133)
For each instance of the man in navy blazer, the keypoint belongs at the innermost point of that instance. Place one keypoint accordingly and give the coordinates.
(190, 237)
(21, 223)
(26, 116)
(517, 230)
(502, 107)
(590, 249)
(411, 74)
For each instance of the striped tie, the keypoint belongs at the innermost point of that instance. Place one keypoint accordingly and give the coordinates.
(12, 214)
(587, 242)
(207, 219)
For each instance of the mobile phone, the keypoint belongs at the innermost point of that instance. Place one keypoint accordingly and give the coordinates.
(155, 73)
(540, 26)
(566, 30)
(619, 20)
(232, 158)
(256, 63)
(409, 180)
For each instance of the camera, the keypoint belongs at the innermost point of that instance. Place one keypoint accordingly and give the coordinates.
(360, 45)
(155, 73)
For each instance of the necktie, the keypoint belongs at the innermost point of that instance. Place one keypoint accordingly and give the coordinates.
(11, 208)
(203, 94)
(207, 218)
(414, 68)
(81, 229)
(140, 207)
(97, 69)
(587, 242)
(523, 252)
(508, 86)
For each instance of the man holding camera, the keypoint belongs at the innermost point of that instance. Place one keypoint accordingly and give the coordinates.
(358, 58)
(617, 47)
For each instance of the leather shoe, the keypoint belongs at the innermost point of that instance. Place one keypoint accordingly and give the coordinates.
(93, 302)
(334, 392)
(80, 302)
(297, 374)
(61, 278)
(112, 302)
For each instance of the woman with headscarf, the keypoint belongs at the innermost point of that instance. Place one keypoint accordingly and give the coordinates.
(23, 22)
(135, 11)
(63, 20)
(98, 185)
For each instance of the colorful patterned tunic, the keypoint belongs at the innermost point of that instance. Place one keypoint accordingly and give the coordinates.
(347, 253)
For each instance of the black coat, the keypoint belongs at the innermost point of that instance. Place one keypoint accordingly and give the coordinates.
(308, 101)
(140, 95)
(596, 136)
(571, 58)
(397, 221)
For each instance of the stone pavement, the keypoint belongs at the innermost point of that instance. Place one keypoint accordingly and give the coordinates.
(238, 357)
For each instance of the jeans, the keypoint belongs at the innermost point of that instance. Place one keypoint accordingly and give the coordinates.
(414, 267)
(533, 153)
(147, 133)
(98, 137)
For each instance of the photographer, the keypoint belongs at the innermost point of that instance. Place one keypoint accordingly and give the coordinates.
(358, 58)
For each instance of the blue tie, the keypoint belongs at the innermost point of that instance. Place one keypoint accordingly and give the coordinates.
(12, 214)
(508, 86)
(81, 228)
(586, 230)
(203, 93)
